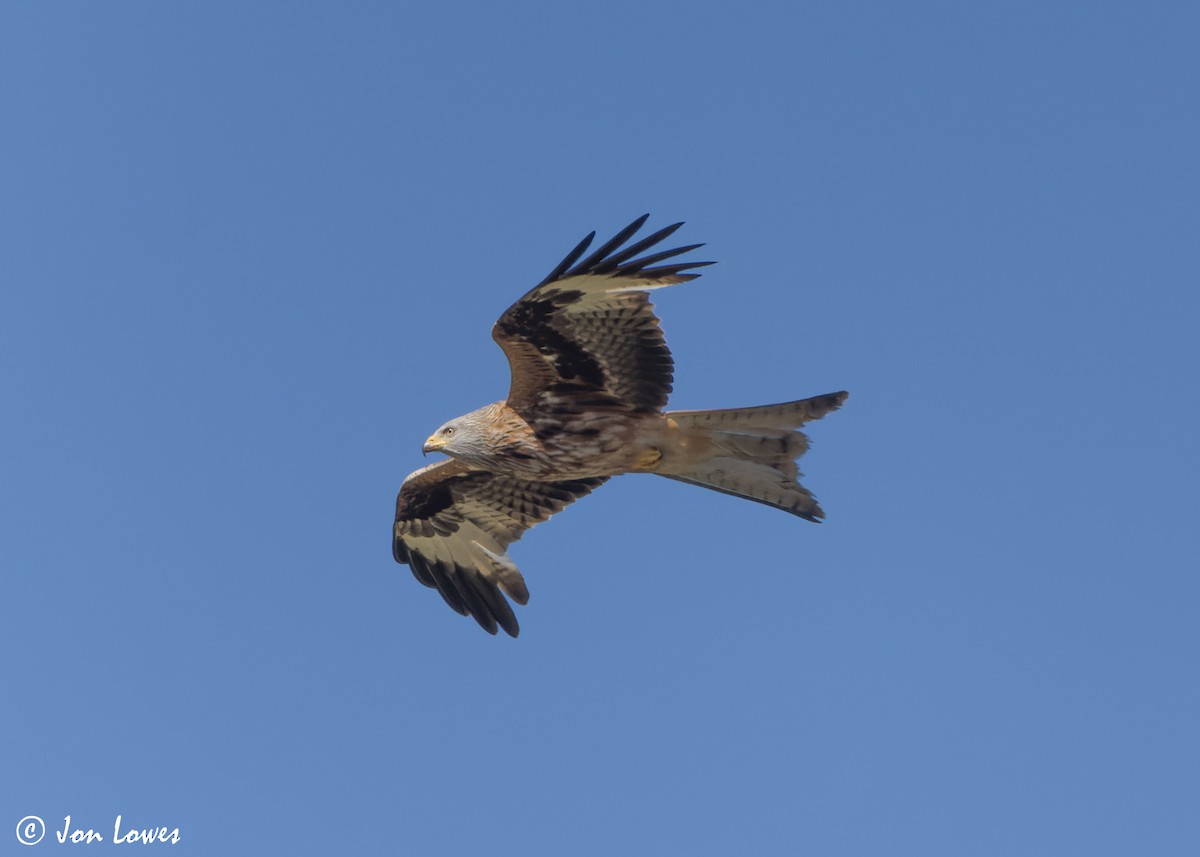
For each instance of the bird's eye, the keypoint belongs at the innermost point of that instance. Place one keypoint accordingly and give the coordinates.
(448, 430)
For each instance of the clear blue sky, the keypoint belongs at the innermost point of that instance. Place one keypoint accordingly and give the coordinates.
(250, 255)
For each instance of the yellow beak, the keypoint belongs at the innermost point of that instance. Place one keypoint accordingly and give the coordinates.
(433, 444)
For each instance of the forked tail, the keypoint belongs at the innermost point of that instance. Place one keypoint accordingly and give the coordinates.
(749, 452)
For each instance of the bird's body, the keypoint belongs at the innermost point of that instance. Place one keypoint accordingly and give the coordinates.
(561, 445)
(590, 378)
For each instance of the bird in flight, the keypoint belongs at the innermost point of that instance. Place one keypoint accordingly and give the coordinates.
(590, 378)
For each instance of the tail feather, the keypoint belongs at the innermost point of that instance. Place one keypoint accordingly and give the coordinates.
(786, 415)
(750, 452)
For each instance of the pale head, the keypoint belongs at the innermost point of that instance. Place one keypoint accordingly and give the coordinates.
(467, 437)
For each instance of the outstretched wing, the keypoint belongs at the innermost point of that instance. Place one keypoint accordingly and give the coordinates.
(588, 328)
(453, 525)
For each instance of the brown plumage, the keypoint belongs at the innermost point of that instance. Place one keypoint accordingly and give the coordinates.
(590, 378)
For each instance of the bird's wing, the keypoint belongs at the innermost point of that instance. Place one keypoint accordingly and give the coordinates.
(453, 525)
(589, 328)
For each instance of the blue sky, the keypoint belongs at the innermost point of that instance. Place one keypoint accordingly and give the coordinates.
(251, 254)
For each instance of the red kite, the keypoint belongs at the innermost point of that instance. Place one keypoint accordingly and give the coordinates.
(590, 378)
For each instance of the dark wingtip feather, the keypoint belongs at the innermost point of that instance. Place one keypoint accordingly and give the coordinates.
(506, 618)
(610, 260)
(673, 270)
(460, 579)
(444, 586)
(621, 259)
(498, 610)
(569, 260)
(612, 244)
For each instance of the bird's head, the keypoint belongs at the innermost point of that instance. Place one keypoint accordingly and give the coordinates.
(462, 437)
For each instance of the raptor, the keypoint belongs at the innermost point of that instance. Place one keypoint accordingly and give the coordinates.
(591, 373)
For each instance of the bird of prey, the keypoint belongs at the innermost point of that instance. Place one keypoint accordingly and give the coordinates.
(590, 378)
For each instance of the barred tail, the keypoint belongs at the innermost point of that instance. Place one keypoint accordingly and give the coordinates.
(750, 452)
